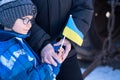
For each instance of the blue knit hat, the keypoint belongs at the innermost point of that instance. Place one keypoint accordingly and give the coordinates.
(11, 10)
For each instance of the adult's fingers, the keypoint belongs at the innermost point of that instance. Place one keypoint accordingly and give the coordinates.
(57, 57)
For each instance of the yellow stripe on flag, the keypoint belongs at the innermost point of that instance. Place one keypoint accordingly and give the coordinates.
(70, 34)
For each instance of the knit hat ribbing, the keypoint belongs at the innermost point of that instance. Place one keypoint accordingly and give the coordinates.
(11, 10)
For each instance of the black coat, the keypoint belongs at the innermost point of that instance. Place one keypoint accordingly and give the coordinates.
(52, 16)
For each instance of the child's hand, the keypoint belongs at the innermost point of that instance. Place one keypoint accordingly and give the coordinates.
(60, 54)
(66, 50)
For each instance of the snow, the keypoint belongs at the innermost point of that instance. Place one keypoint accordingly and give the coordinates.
(103, 73)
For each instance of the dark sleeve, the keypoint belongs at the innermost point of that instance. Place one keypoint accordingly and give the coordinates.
(82, 12)
(38, 38)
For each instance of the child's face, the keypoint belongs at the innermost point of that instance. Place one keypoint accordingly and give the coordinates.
(23, 25)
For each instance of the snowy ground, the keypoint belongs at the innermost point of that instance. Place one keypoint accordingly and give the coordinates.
(103, 73)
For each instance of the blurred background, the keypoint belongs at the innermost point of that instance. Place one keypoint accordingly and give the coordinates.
(101, 46)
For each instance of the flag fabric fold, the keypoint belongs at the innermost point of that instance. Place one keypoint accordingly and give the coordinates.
(72, 32)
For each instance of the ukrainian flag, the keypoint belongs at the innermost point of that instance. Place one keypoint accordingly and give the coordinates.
(72, 32)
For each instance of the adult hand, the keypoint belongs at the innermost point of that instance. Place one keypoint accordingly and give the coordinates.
(48, 55)
(67, 49)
